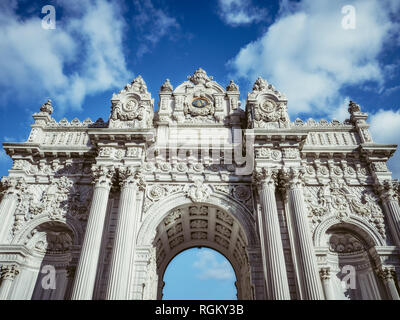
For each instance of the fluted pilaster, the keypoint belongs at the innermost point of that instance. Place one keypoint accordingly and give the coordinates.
(86, 271)
(273, 257)
(124, 235)
(8, 274)
(14, 187)
(391, 207)
(294, 183)
(388, 276)
(325, 274)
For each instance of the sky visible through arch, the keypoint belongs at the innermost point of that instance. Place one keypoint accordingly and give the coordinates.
(301, 47)
(198, 274)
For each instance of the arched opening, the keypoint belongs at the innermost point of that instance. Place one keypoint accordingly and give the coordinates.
(193, 226)
(199, 274)
(351, 266)
(50, 246)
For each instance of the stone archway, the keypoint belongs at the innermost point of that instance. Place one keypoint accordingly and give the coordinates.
(45, 273)
(203, 225)
(146, 275)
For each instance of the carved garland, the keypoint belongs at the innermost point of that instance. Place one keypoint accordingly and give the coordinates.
(335, 199)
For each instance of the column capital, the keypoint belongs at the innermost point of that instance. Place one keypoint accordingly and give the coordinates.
(325, 273)
(265, 177)
(13, 186)
(102, 175)
(388, 190)
(71, 271)
(9, 272)
(292, 178)
(131, 177)
(386, 273)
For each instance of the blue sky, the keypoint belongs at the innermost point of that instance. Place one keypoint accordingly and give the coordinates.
(197, 274)
(300, 47)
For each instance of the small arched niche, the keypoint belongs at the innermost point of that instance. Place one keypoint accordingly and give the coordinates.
(50, 246)
(352, 275)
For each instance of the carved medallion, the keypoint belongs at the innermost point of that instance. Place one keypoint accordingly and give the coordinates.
(200, 102)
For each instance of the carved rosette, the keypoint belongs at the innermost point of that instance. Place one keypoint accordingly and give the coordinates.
(9, 272)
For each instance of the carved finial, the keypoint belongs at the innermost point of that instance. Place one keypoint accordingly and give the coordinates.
(166, 86)
(200, 77)
(137, 85)
(353, 107)
(232, 86)
(47, 107)
(260, 84)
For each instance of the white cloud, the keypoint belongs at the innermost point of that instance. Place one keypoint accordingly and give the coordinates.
(307, 54)
(239, 12)
(341, 112)
(152, 25)
(88, 40)
(210, 268)
(385, 128)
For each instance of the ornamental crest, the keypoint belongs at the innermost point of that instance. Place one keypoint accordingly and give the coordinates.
(271, 111)
(132, 107)
(200, 77)
(199, 106)
(198, 192)
(128, 111)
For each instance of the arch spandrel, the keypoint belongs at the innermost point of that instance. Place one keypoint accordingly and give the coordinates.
(30, 226)
(355, 224)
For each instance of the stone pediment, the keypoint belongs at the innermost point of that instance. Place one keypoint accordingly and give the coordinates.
(132, 107)
(266, 107)
(199, 100)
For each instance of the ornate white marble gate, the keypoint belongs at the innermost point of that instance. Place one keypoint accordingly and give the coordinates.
(96, 210)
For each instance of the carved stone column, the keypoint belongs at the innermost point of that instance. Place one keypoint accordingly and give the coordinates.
(8, 204)
(124, 235)
(325, 274)
(86, 271)
(388, 276)
(8, 274)
(311, 284)
(391, 208)
(271, 241)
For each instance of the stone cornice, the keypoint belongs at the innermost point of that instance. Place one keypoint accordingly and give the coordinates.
(13, 254)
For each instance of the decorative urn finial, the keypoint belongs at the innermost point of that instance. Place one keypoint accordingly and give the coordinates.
(47, 107)
(166, 86)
